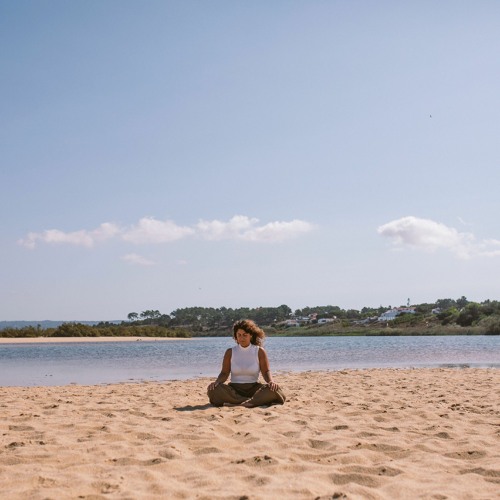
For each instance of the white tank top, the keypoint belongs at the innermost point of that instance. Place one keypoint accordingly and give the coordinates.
(245, 364)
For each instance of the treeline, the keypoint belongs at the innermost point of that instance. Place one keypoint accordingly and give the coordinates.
(457, 316)
(199, 319)
(457, 313)
(485, 314)
(99, 330)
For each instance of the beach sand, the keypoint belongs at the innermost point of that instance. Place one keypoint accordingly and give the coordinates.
(52, 340)
(355, 434)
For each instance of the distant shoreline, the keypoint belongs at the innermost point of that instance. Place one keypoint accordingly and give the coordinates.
(52, 340)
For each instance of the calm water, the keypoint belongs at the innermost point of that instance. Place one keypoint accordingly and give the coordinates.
(95, 362)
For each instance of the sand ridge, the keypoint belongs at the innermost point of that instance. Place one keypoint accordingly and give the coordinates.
(355, 434)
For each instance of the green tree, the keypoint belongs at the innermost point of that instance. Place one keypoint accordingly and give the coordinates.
(445, 303)
(353, 314)
(150, 316)
(448, 316)
(133, 316)
(425, 308)
(469, 314)
(75, 330)
(283, 312)
(489, 307)
(491, 324)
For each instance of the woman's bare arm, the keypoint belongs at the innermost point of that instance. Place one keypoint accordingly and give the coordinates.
(225, 371)
(265, 369)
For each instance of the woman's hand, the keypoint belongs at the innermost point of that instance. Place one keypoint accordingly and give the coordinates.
(212, 386)
(273, 386)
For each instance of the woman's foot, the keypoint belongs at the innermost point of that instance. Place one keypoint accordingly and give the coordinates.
(237, 404)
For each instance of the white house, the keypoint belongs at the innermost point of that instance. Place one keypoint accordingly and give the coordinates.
(388, 315)
(325, 320)
(392, 313)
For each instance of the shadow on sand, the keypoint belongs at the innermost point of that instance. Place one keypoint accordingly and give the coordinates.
(194, 407)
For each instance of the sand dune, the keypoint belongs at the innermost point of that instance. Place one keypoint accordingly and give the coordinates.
(356, 434)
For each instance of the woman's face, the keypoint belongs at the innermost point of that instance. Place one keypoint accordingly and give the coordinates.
(243, 338)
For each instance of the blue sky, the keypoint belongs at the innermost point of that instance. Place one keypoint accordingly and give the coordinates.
(160, 154)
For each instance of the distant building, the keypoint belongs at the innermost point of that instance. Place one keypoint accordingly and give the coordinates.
(406, 310)
(391, 314)
(388, 315)
(325, 320)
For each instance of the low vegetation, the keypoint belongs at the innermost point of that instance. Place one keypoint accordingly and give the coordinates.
(99, 330)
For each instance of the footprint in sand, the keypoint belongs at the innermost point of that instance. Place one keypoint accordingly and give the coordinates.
(291, 434)
(333, 496)
(376, 471)
(152, 461)
(365, 434)
(361, 479)
(207, 451)
(258, 480)
(257, 460)
(466, 455)
(105, 487)
(144, 436)
(390, 429)
(386, 449)
(318, 444)
(486, 473)
(270, 419)
(15, 444)
(443, 435)
(125, 461)
(47, 482)
(21, 428)
(169, 454)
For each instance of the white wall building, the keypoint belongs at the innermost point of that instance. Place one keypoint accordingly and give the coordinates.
(392, 313)
(388, 315)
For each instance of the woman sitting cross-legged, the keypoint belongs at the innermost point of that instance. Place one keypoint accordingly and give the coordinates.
(244, 362)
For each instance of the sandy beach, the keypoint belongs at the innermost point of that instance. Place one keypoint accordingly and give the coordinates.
(357, 434)
(50, 340)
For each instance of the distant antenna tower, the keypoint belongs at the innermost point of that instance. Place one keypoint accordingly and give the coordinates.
(408, 303)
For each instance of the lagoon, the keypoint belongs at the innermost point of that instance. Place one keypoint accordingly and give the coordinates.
(113, 362)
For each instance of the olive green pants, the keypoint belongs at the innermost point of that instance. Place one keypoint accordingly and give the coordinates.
(255, 394)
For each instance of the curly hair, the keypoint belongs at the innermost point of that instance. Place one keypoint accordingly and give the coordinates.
(250, 327)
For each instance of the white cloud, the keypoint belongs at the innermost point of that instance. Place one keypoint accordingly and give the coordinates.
(219, 230)
(150, 230)
(489, 248)
(139, 260)
(429, 235)
(245, 228)
(80, 238)
(278, 231)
